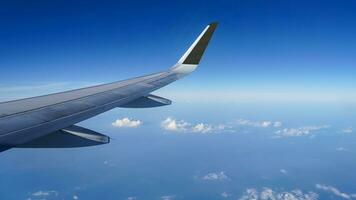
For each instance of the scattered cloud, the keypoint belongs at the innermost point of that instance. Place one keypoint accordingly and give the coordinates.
(168, 197)
(277, 124)
(126, 122)
(131, 198)
(347, 130)
(171, 124)
(49, 194)
(225, 195)
(109, 164)
(80, 188)
(341, 149)
(335, 191)
(284, 171)
(262, 124)
(282, 132)
(215, 176)
(293, 132)
(202, 128)
(269, 194)
(44, 194)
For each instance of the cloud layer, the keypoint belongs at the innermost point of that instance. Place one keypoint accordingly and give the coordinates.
(335, 191)
(293, 132)
(168, 197)
(43, 194)
(171, 124)
(347, 130)
(269, 194)
(261, 124)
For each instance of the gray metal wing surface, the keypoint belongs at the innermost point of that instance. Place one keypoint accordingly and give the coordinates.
(41, 121)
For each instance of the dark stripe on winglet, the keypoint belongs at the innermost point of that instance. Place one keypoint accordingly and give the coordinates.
(198, 50)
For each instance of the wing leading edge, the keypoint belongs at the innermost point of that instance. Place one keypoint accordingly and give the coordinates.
(41, 121)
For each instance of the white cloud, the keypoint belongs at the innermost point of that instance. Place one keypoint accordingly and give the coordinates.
(168, 197)
(283, 171)
(293, 132)
(225, 195)
(126, 122)
(215, 176)
(250, 194)
(174, 125)
(48, 194)
(262, 124)
(171, 124)
(44, 194)
(109, 164)
(347, 130)
(80, 188)
(269, 194)
(202, 128)
(335, 191)
(277, 124)
(341, 149)
(131, 198)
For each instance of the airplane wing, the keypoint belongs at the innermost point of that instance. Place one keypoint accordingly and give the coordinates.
(48, 121)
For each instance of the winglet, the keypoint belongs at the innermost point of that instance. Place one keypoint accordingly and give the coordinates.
(193, 55)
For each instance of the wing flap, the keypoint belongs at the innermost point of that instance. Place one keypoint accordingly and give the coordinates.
(73, 136)
(147, 102)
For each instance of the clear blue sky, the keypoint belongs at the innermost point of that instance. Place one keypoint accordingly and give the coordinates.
(272, 49)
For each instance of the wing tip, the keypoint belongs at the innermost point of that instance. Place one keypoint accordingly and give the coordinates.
(194, 54)
(214, 24)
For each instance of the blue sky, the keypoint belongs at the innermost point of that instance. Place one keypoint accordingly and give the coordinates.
(277, 50)
(269, 114)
